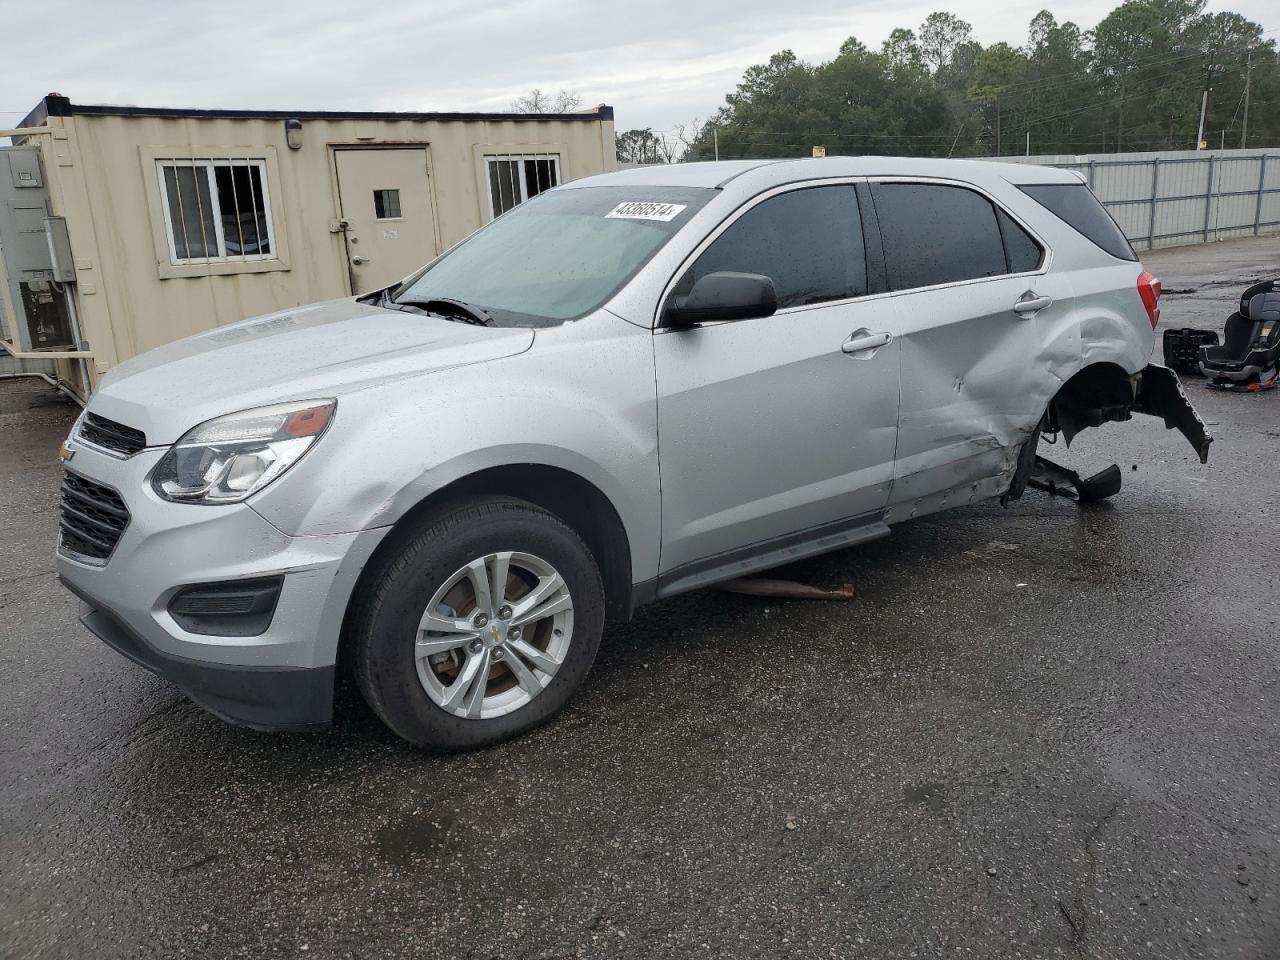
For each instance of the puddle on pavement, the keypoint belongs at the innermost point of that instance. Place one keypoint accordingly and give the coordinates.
(932, 795)
(414, 836)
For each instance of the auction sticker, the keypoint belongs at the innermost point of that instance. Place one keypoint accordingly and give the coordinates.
(646, 210)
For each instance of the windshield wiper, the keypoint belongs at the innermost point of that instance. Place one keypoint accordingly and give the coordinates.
(445, 307)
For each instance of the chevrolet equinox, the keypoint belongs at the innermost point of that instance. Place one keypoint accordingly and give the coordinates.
(630, 386)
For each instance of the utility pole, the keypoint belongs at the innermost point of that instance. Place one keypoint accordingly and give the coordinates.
(1028, 142)
(997, 124)
(1120, 117)
(1244, 122)
(715, 137)
(1204, 105)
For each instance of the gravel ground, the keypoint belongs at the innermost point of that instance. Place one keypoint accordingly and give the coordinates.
(1045, 731)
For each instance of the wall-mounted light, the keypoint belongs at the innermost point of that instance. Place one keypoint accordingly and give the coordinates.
(293, 134)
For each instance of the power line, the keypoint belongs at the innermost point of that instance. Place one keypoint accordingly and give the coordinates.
(765, 139)
(1160, 60)
(1087, 75)
(1146, 91)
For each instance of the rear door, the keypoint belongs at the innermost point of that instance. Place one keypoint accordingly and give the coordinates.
(767, 428)
(386, 200)
(977, 307)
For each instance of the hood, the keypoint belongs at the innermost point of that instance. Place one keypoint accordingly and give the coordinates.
(322, 350)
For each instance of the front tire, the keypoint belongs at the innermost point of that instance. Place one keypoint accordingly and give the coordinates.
(478, 624)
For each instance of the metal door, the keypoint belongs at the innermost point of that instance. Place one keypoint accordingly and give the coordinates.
(386, 200)
(783, 426)
(975, 367)
(774, 426)
(972, 362)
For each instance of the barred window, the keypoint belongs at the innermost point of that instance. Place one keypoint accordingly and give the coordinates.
(514, 178)
(216, 210)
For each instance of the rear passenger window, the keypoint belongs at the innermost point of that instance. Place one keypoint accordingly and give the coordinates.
(937, 234)
(1022, 252)
(809, 242)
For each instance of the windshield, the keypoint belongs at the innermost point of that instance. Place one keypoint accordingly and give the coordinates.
(558, 256)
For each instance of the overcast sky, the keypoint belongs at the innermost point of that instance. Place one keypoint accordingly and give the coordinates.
(658, 63)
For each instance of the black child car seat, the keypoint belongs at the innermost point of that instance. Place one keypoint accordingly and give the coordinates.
(1250, 347)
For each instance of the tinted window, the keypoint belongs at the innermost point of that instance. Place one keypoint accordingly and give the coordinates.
(809, 242)
(937, 234)
(1076, 204)
(1021, 252)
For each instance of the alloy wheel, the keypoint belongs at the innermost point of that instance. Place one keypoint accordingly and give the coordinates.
(494, 635)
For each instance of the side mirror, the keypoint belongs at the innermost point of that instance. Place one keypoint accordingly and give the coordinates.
(723, 296)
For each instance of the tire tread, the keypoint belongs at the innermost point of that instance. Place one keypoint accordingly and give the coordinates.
(413, 549)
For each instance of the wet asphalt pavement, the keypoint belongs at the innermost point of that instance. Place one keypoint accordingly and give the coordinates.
(1045, 731)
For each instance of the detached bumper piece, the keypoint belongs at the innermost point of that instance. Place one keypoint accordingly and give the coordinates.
(1060, 482)
(1157, 393)
(1160, 394)
(263, 698)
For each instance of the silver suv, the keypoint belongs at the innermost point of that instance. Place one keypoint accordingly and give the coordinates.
(630, 386)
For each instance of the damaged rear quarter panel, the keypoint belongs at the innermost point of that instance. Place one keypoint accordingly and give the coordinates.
(1113, 324)
(977, 377)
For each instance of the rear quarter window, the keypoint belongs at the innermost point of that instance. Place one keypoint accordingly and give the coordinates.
(1021, 251)
(1075, 205)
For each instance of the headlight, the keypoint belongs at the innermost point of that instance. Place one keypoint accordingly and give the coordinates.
(226, 459)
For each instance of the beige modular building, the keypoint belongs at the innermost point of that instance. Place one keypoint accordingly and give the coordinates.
(123, 228)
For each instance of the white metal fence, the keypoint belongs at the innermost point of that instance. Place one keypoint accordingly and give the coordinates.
(1181, 197)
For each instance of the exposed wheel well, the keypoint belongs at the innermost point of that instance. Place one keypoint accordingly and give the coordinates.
(1098, 394)
(574, 500)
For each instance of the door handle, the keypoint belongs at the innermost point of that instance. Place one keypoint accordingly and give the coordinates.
(861, 340)
(359, 260)
(1029, 303)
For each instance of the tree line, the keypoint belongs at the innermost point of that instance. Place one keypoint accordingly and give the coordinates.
(1134, 82)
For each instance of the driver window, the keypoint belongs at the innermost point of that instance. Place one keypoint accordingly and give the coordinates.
(808, 241)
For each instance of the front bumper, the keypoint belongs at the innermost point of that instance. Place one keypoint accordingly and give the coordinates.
(279, 678)
(264, 698)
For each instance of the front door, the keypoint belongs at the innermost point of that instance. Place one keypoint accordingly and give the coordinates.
(386, 201)
(776, 427)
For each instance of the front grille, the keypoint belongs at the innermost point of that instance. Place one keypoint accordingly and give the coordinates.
(92, 518)
(110, 435)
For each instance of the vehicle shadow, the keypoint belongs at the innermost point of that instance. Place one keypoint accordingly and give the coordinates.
(886, 574)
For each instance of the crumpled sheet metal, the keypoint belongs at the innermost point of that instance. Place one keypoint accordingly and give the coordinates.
(971, 396)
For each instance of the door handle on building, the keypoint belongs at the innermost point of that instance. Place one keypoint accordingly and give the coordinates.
(1029, 303)
(359, 260)
(862, 340)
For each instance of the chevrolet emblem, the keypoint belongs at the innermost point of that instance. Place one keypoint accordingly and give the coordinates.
(65, 453)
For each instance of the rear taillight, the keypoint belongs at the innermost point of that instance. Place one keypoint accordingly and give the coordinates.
(1149, 291)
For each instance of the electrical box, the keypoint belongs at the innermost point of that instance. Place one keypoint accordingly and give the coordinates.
(55, 232)
(35, 256)
(24, 168)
